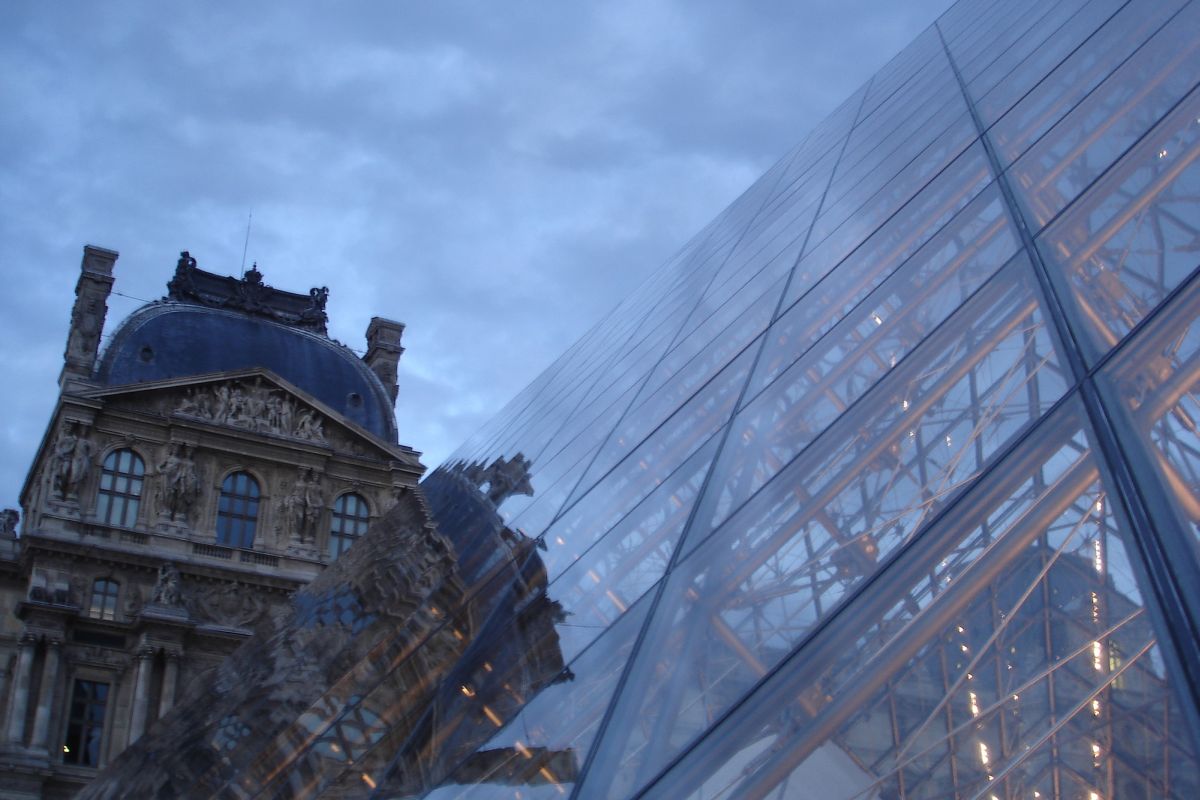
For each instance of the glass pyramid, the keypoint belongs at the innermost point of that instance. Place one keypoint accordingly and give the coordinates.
(886, 486)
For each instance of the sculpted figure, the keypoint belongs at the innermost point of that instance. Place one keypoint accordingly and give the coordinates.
(314, 506)
(166, 588)
(222, 407)
(308, 426)
(179, 484)
(72, 460)
(8, 523)
(303, 507)
(293, 509)
(287, 413)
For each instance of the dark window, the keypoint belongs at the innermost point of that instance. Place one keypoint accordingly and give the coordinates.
(349, 521)
(237, 513)
(104, 599)
(120, 488)
(85, 725)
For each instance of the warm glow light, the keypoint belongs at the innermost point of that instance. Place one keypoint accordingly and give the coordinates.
(1095, 708)
(983, 754)
(1098, 557)
(492, 716)
(467, 690)
(1097, 656)
(974, 704)
(615, 600)
(523, 749)
(368, 781)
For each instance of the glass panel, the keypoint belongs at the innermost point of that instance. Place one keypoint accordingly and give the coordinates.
(1131, 239)
(740, 601)
(982, 231)
(821, 256)
(990, 359)
(1050, 96)
(1113, 117)
(685, 432)
(1154, 387)
(1008, 654)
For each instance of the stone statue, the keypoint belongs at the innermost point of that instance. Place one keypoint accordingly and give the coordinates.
(315, 313)
(184, 282)
(179, 483)
(72, 460)
(314, 506)
(166, 588)
(293, 509)
(9, 518)
(302, 509)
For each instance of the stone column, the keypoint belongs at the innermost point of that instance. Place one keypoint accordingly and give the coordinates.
(20, 690)
(41, 718)
(170, 678)
(141, 694)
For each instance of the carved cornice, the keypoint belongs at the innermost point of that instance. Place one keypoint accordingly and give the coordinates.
(249, 295)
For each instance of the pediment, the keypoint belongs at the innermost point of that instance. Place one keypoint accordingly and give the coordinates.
(255, 402)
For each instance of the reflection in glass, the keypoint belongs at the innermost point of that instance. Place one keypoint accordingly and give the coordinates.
(1009, 654)
(1155, 384)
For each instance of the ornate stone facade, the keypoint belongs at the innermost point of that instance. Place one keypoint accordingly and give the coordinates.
(168, 515)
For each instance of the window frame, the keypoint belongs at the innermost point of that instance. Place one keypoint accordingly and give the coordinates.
(119, 492)
(238, 514)
(110, 592)
(347, 526)
(75, 757)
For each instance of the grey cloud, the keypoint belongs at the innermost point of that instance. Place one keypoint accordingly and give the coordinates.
(498, 181)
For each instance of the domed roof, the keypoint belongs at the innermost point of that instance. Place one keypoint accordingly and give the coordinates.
(172, 339)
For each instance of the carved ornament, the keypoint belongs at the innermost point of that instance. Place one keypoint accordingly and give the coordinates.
(254, 407)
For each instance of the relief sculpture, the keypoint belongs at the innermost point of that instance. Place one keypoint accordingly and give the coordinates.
(255, 407)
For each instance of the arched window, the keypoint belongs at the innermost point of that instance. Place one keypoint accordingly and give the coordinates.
(237, 512)
(104, 598)
(120, 494)
(348, 522)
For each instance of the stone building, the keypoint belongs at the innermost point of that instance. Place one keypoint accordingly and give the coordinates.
(213, 459)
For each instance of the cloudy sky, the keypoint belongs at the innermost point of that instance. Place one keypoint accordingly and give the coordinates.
(496, 175)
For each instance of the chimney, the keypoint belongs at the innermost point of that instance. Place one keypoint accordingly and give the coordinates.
(87, 318)
(383, 351)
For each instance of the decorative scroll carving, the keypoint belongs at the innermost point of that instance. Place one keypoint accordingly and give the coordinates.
(253, 407)
(249, 295)
(235, 605)
(72, 460)
(178, 482)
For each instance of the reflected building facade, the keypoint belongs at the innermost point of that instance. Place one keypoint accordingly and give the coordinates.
(885, 486)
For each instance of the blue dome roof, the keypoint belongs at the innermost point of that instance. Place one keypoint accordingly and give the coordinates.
(176, 340)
